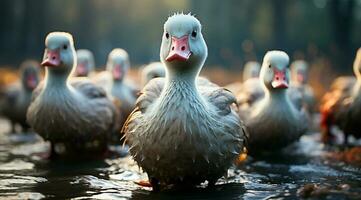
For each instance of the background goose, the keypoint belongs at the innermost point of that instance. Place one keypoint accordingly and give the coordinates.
(18, 96)
(299, 86)
(123, 92)
(184, 133)
(251, 70)
(85, 63)
(73, 113)
(341, 106)
(152, 70)
(274, 122)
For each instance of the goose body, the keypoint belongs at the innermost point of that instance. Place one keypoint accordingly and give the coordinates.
(73, 112)
(18, 97)
(183, 131)
(274, 122)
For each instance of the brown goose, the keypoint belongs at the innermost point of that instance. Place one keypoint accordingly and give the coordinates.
(274, 122)
(182, 132)
(71, 113)
(18, 97)
(341, 106)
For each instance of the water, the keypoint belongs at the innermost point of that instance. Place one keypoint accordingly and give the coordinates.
(25, 173)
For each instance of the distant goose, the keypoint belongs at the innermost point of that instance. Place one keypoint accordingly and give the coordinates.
(151, 71)
(341, 106)
(299, 85)
(274, 122)
(183, 132)
(86, 63)
(72, 113)
(18, 97)
(250, 71)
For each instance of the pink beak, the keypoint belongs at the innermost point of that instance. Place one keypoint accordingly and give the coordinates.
(81, 69)
(179, 49)
(279, 79)
(300, 78)
(31, 81)
(52, 59)
(117, 72)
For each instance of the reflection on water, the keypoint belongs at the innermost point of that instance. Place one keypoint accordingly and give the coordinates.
(26, 174)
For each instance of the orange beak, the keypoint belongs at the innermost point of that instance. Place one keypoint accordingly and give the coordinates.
(179, 49)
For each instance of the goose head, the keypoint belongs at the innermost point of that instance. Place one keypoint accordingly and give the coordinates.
(151, 71)
(59, 55)
(85, 62)
(251, 70)
(357, 65)
(275, 72)
(183, 49)
(30, 74)
(299, 72)
(118, 63)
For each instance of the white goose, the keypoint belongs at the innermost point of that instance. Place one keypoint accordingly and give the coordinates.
(73, 113)
(299, 85)
(183, 133)
(274, 122)
(152, 70)
(250, 71)
(86, 63)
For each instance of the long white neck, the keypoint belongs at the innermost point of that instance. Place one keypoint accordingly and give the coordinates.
(56, 79)
(276, 96)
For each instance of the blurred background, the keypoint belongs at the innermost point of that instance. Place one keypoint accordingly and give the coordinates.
(326, 33)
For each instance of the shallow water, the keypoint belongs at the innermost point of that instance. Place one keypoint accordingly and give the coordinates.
(25, 173)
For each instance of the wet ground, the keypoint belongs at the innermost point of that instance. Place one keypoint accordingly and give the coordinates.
(304, 170)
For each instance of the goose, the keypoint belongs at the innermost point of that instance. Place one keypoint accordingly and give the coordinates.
(299, 85)
(72, 113)
(85, 63)
(274, 121)
(123, 92)
(341, 106)
(182, 133)
(250, 71)
(18, 96)
(152, 70)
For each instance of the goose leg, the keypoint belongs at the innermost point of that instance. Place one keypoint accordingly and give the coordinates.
(53, 154)
(155, 184)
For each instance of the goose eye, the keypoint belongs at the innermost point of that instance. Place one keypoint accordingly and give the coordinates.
(269, 66)
(167, 35)
(194, 34)
(65, 47)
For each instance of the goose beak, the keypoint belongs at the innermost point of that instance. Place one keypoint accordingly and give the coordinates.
(81, 69)
(179, 49)
(31, 81)
(52, 59)
(300, 78)
(117, 72)
(279, 79)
